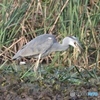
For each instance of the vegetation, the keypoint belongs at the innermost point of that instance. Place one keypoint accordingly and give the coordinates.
(22, 20)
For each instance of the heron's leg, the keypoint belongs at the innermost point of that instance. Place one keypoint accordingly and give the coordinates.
(37, 63)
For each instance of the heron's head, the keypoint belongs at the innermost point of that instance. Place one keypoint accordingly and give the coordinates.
(73, 41)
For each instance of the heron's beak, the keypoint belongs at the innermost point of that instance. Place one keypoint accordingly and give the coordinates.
(78, 46)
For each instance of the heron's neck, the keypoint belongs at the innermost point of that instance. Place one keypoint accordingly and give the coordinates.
(59, 47)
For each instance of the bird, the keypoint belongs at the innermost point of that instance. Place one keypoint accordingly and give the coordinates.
(45, 44)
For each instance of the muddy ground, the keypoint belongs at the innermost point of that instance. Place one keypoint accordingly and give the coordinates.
(49, 85)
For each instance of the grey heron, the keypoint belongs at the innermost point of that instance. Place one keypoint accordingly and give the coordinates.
(45, 44)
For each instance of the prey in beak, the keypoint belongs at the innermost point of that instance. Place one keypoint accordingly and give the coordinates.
(78, 46)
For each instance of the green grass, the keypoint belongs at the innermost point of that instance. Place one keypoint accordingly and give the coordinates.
(70, 74)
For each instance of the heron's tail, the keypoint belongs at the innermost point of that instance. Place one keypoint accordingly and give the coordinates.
(17, 55)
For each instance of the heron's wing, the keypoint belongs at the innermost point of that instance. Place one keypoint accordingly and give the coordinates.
(42, 46)
(35, 47)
